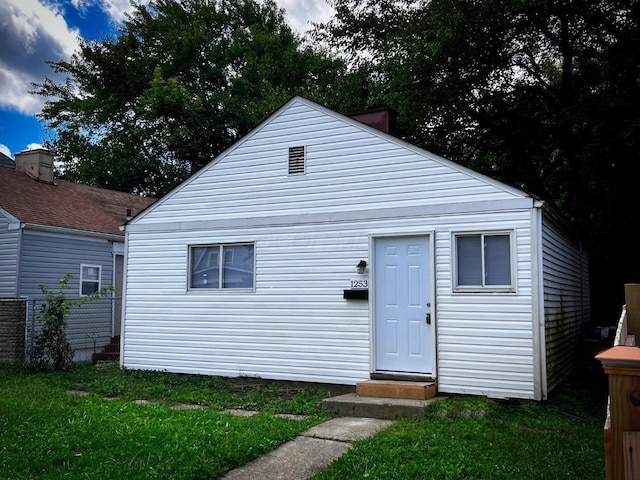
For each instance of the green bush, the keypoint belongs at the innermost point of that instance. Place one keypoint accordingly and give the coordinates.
(52, 350)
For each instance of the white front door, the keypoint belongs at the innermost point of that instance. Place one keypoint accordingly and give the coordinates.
(403, 329)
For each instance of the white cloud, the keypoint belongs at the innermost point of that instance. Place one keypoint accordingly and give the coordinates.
(32, 33)
(4, 149)
(34, 146)
(35, 31)
(116, 10)
(300, 13)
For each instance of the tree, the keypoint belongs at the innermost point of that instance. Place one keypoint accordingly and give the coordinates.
(541, 94)
(179, 82)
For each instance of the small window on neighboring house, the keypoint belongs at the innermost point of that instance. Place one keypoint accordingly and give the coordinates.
(89, 279)
(296, 160)
(236, 271)
(483, 262)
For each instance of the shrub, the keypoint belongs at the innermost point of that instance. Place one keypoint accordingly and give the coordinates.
(52, 350)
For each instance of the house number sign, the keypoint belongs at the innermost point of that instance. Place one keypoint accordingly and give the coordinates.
(360, 283)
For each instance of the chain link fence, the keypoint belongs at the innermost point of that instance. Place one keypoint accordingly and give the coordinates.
(90, 328)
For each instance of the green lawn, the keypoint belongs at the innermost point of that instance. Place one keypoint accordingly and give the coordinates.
(46, 432)
(480, 438)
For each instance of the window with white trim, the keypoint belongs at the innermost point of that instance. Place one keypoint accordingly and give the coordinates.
(90, 276)
(236, 271)
(483, 262)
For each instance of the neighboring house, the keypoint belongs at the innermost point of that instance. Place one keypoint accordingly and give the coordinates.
(320, 249)
(5, 161)
(51, 227)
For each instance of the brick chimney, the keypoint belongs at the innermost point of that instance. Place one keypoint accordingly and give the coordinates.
(38, 164)
(382, 118)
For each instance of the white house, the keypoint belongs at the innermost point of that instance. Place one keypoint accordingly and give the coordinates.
(320, 249)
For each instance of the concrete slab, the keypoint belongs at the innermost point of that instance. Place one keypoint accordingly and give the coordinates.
(311, 452)
(352, 405)
(348, 429)
(296, 460)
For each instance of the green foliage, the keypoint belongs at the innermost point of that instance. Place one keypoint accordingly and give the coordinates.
(540, 94)
(178, 83)
(543, 95)
(52, 349)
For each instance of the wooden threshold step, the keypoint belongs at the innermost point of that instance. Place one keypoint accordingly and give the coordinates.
(396, 389)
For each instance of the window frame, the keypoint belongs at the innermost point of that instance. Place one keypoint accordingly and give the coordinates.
(506, 289)
(221, 256)
(83, 280)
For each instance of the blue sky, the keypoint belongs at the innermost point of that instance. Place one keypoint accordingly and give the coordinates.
(34, 31)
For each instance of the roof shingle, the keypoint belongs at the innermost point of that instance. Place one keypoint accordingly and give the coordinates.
(67, 204)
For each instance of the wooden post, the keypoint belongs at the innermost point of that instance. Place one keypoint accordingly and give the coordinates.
(631, 443)
(632, 300)
(622, 365)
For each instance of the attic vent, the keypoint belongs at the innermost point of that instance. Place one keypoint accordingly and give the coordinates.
(296, 160)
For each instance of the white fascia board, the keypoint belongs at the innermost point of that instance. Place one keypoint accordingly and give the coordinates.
(14, 223)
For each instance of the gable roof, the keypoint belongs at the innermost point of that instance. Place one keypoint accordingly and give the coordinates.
(345, 119)
(66, 204)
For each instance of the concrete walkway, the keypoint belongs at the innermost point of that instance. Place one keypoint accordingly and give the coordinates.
(312, 451)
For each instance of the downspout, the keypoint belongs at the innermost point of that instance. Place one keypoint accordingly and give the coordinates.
(19, 263)
(537, 296)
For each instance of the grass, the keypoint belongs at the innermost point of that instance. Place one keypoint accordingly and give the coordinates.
(47, 433)
(480, 438)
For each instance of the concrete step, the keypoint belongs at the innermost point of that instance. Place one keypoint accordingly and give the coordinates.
(396, 389)
(353, 405)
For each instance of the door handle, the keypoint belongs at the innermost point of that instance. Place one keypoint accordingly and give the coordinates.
(428, 319)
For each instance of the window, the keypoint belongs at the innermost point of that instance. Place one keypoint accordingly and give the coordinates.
(236, 272)
(483, 262)
(89, 279)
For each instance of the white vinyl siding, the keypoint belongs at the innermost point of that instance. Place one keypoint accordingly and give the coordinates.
(297, 326)
(566, 299)
(485, 342)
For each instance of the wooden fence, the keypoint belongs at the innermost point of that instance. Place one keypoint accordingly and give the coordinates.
(621, 363)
